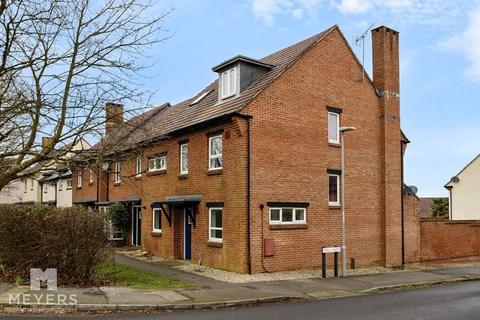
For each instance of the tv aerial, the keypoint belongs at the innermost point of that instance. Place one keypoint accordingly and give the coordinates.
(360, 41)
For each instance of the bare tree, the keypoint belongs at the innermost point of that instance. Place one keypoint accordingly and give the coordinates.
(60, 62)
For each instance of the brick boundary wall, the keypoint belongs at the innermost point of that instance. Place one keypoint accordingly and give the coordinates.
(431, 239)
(444, 239)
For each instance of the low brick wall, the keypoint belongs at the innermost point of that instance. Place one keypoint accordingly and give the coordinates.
(443, 239)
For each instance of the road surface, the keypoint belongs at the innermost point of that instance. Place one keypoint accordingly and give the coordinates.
(452, 302)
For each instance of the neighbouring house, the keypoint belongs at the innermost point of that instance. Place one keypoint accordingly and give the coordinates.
(12, 192)
(426, 204)
(50, 182)
(245, 175)
(464, 192)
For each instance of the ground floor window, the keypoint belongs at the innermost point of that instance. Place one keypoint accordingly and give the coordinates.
(287, 215)
(157, 220)
(215, 226)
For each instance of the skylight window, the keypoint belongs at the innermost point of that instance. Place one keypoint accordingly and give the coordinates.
(200, 97)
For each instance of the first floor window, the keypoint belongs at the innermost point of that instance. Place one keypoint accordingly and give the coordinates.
(215, 152)
(287, 215)
(138, 166)
(157, 220)
(157, 163)
(69, 184)
(333, 189)
(79, 178)
(333, 127)
(90, 176)
(184, 158)
(118, 172)
(215, 227)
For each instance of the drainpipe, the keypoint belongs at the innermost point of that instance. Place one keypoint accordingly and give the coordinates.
(401, 204)
(249, 251)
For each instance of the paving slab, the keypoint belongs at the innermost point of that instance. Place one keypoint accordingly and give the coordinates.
(6, 296)
(119, 295)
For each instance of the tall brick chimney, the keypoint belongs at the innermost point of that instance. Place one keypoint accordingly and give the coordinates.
(113, 117)
(386, 78)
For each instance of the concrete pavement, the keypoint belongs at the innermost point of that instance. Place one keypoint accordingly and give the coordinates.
(208, 293)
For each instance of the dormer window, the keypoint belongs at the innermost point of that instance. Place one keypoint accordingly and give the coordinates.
(237, 74)
(229, 83)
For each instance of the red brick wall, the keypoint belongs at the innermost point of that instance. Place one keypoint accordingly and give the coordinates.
(442, 239)
(228, 186)
(411, 209)
(291, 155)
(290, 158)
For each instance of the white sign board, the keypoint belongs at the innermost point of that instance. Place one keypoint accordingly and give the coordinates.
(331, 249)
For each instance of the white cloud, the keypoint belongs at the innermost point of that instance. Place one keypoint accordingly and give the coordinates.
(468, 44)
(352, 6)
(268, 10)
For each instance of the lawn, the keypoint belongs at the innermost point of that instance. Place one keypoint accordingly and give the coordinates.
(125, 276)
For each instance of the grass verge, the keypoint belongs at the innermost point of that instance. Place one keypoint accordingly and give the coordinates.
(125, 276)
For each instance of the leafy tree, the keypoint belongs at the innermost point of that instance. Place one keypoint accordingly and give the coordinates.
(439, 208)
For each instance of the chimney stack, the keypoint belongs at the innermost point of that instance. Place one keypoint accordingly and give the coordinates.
(113, 117)
(386, 78)
(46, 141)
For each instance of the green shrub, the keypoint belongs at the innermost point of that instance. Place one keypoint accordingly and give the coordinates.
(119, 213)
(69, 239)
(439, 208)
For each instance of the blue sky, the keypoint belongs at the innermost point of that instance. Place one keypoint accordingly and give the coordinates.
(440, 62)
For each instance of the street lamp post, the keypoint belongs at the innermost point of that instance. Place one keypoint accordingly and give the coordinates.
(342, 201)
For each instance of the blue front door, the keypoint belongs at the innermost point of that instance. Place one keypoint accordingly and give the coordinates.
(188, 234)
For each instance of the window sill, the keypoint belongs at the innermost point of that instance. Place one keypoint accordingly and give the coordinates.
(183, 176)
(138, 177)
(156, 233)
(334, 144)
(79, 187)
(90, 183)
(334, 206)
(69, 188)
(116, 184)
(214, 172)
(156, 172)
(289, 226)
(215, 244)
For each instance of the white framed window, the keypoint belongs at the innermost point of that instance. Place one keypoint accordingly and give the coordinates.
(215, 160)
(117, 177)
(45, 188)
(288, 215)
(90, 176)
(103, 209)
(138, 166)
(333, 127)
(60, 185)
(69, 184)
(184, 158)
(334, 189)
(157, 163)
(229, 85)
(79, 178)
(215, 231)
(157, 220)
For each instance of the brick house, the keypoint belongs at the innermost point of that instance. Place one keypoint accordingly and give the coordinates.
(252, 162)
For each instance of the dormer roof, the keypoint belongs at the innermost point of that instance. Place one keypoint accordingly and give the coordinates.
(241, 58)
